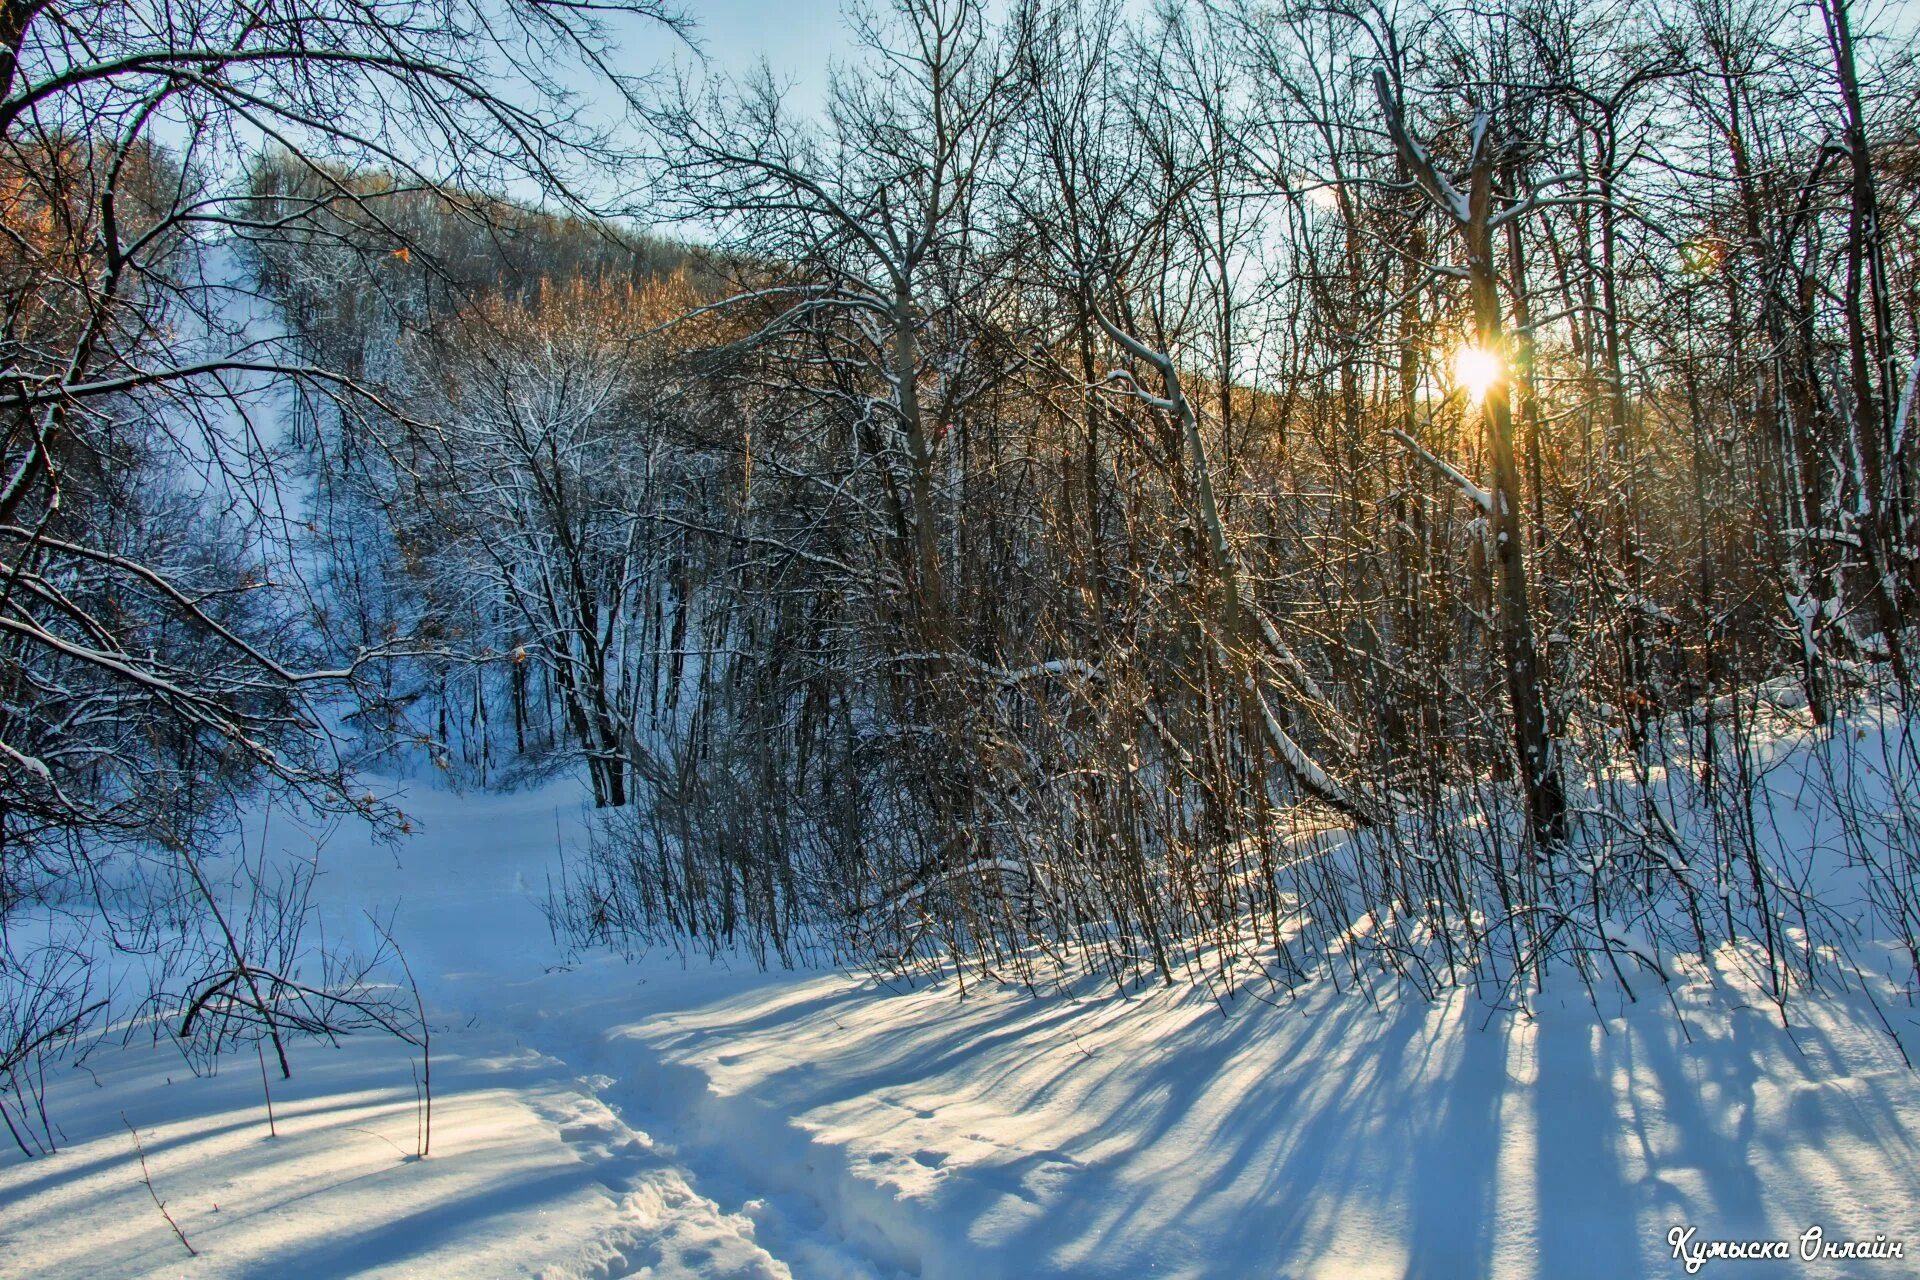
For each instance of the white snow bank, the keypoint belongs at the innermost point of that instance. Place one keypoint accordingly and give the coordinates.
(1002, 1136)
(527, 1174)
(598, 1119)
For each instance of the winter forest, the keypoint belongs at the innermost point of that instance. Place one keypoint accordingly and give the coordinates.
(1403, 509)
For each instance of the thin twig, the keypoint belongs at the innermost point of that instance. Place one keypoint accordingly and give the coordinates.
(147, 1178)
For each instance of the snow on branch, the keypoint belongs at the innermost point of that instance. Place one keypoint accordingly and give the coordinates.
(1905, 414)
(1419, 160)
(1473, 493)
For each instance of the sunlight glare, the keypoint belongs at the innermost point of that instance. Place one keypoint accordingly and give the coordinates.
(1476, 370)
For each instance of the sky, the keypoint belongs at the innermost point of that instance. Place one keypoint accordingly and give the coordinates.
(797, 38)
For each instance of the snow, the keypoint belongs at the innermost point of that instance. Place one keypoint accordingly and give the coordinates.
(1479, 497)
(1904, 414)
(594, 1117)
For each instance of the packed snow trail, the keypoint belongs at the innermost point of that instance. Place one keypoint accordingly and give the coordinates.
(594, 1118)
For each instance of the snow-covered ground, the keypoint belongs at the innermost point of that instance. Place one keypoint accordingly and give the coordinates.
(599, 1118)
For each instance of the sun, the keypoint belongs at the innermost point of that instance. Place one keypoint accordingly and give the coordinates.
(1476, 370)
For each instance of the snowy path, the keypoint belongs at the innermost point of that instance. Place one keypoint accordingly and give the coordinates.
(607, 1120)
(1005, 1137)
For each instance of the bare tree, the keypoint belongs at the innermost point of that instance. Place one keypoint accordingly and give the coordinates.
(1475, 214)
(155, 658)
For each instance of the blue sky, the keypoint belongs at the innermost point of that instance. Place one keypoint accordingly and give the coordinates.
(797, 37)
